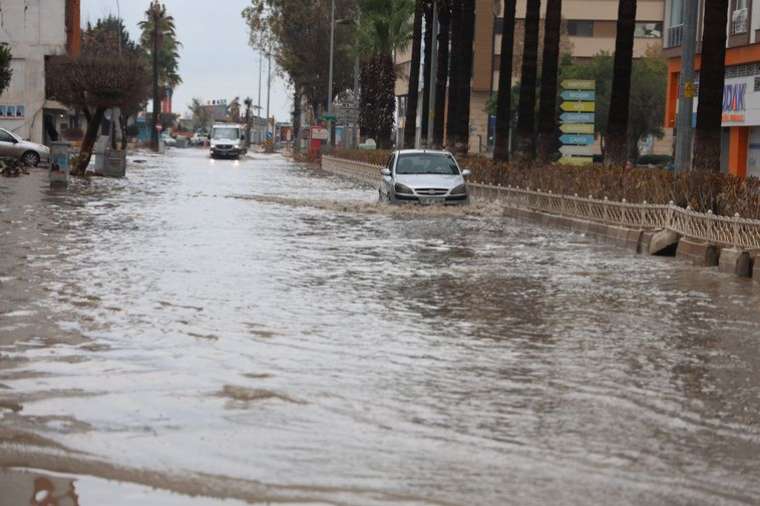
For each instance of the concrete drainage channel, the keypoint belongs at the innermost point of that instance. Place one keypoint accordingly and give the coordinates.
(657, 242)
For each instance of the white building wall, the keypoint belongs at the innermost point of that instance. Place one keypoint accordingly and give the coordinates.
(33, 29)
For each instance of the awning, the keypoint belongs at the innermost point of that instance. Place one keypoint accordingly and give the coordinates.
(53, 105)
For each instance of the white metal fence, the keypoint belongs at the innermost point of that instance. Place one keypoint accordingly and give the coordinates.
(722, 230)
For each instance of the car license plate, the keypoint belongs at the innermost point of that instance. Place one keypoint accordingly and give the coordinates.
(427, 201)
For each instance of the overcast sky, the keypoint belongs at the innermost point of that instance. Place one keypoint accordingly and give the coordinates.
(216, 61)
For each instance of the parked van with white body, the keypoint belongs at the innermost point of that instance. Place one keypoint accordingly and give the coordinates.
(227, 141)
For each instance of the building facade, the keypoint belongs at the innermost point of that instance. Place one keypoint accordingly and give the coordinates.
(740, 153)
(35, 30)
(589, 28)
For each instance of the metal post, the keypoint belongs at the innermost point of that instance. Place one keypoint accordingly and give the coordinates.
(330, 78)
(433, 74)
(686, 87)
(269, 90)
(258, 104)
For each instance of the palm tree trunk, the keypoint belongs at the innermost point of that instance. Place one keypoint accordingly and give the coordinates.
(617, 124)
(387, 100)
(711, 80)
(527, 109)
(426, 65)
(156, 99)
(465, 83)
(442, 77)
(455, 75)
(547, 112)
(504, 97)
(412, 98)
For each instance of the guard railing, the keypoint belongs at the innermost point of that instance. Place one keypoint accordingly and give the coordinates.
(721, 230)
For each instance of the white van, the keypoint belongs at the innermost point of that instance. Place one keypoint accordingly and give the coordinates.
(227, 141)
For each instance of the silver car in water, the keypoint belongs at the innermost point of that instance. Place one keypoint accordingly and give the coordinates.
(13, 146)
(424, 177)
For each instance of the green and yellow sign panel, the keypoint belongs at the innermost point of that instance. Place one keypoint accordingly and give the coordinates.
(577, 121)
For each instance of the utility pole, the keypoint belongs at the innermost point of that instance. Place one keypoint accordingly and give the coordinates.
(686, 87)
(269, 88)
(330, 78)
(258, 104)
(433, 74)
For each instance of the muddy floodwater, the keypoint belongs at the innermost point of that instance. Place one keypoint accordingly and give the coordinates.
(221, 332)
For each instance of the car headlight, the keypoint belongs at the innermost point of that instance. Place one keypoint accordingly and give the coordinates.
(402, 188)
(459, 190)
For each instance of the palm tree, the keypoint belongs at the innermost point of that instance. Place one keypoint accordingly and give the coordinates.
(442, 74)
(159, 41)
(504, 97)
(463, 35)
(384, 27)
(6, 72)
(616, 152)
(426, 67)
(547, 112)
(711, 81)
(410, 125)
(527, 107)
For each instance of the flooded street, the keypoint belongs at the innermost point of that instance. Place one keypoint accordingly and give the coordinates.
(257, 331)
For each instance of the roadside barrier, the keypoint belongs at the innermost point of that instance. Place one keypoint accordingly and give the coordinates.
(735, 232)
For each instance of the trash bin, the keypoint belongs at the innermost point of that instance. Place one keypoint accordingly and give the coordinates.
(59, 169)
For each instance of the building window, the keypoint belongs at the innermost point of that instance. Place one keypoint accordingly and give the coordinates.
(739, 17)
(402, 106)
(648, 30)
(580, 28)
(676, 13)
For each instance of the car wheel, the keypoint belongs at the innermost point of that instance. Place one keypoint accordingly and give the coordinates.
(30, 158)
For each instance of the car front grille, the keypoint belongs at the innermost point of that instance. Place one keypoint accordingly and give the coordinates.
(223, 146)
(431, 192)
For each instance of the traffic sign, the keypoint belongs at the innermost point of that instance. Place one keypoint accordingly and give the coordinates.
(576, 160)
(577, 117)
(589, 95)
(577, 128)
(329, 117)
(576, 150)
(576, 139)
(579, 84)
(578, 106)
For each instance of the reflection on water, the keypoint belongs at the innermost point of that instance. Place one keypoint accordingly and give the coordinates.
(274, 326)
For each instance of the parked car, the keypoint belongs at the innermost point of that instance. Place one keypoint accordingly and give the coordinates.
(30, 153)
(169, 141)
(197, 139)
(424, 177)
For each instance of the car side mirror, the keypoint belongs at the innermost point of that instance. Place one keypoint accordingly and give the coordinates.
(385, 172)
(466, 173)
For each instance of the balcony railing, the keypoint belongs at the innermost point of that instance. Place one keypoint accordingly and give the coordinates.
(675, 36)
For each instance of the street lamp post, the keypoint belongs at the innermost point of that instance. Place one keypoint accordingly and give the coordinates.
(433, 74)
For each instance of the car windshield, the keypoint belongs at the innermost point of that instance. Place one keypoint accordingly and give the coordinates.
(226, 133)
(427, 163)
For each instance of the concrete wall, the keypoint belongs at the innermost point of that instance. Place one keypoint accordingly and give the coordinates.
(33, 29)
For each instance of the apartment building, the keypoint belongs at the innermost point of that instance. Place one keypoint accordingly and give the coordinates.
(590, 27)
(35, 30)
(740, 153)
